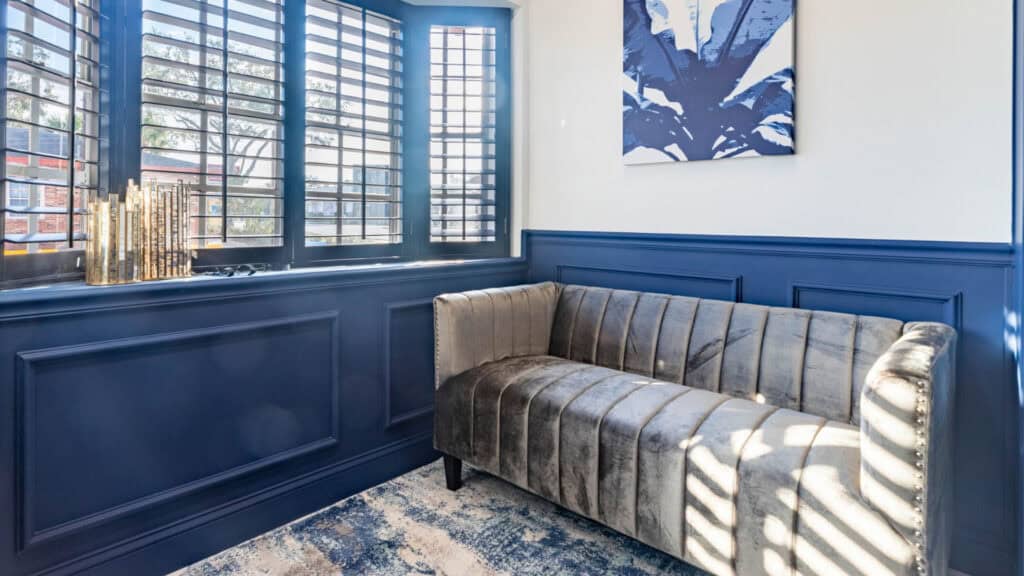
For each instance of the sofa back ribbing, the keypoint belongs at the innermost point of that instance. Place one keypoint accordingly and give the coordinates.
(811, 361)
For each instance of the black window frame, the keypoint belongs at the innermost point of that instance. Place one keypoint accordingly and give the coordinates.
(295, 210)
(455, 18)
(501, 20)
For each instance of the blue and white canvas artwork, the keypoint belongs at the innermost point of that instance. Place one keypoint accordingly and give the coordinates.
(707, 79)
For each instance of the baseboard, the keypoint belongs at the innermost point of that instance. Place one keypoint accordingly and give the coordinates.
(198, 537)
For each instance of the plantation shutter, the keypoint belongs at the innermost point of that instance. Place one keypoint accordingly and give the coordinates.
(50, 128)
(353, 162)
(462, 134)
(212, 114)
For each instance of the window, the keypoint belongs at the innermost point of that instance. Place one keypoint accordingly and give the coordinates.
(51, 128)
(353, 159)
(19, 195)
(311, 132)
(463, 177)
(213, 111)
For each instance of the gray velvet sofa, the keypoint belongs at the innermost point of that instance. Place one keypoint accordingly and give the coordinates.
(742, 439)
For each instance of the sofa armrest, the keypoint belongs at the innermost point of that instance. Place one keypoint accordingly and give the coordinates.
(473, 328)
(907, 439)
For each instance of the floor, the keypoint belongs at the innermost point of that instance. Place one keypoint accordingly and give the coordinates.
(413, 525)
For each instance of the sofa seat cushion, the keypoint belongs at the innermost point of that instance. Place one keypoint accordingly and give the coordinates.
(689, 471)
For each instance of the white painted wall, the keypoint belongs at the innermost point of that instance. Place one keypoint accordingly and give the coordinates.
(903, 129)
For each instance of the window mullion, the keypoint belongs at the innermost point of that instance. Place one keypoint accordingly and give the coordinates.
(3, 141)
(294, 85)
(340, 190)
(32, 225)
(224, 125)
(204, 122)
(72, 136)
(363, 126)
(446, 118)
(34, 144)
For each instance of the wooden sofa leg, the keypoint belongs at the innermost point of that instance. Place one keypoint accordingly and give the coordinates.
(452, 472)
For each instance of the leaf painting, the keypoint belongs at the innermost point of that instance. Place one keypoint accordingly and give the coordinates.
(707, 79)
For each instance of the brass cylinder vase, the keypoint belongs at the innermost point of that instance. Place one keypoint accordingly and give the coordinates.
(143, 237)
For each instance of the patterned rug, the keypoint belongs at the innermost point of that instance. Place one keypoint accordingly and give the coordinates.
(413, 525)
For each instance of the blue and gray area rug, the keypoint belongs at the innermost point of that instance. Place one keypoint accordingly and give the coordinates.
(413, 525)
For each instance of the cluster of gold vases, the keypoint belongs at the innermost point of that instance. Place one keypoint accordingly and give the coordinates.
(143, 237)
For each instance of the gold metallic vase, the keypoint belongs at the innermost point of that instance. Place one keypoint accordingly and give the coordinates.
(164, 237)
(143, 237)
(111, 249)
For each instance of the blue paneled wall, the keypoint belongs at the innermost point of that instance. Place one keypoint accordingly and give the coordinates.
(968, 286)
(149, 426)
(152, 425)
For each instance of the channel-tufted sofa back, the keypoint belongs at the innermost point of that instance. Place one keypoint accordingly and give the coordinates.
(811, 361)
(886, 389)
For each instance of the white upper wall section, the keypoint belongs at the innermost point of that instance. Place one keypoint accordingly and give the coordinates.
(903, 129)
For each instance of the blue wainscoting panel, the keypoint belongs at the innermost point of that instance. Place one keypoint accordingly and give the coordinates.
(408, 361)
(653, 280)
(124, 418)
(966, 285)
(150, 426)
(874, 301)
